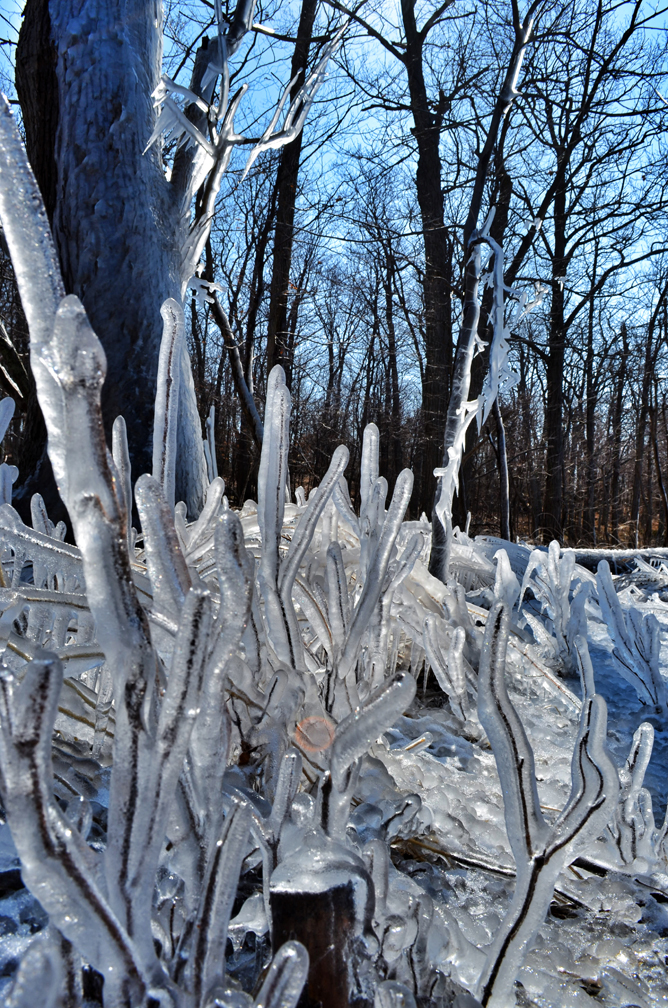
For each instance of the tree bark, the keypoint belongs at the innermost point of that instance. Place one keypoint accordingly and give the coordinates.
(552, 516)
(116, 223)
(438, 261)
(37, 89)
(278, 342)
(643, 414)
(589, 522)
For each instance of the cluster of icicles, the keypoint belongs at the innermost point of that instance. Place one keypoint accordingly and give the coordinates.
(232, 673)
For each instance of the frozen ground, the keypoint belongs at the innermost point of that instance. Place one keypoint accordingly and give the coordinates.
(605, 938)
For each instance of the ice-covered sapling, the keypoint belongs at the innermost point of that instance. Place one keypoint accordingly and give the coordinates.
(541, 850)
(563, 596)
(636, 639)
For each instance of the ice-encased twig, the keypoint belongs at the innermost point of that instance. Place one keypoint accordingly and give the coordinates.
(165, 563)
(360, 729)
(167, 398)
(633, 828)
(235, 582)
(301, 540)
(271, 482)
(162, 768)
(204, 954)
(283, 984)
(50, 556)
(541, 851)
(28, 235)
(69, 385)
(58, 865)
(338, 603)
(449, 671)
(299, 107)
(585, 667)
(377, 652)
(121, 456)
(375, 575)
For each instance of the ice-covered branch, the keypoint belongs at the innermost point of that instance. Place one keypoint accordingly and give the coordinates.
(210, 131)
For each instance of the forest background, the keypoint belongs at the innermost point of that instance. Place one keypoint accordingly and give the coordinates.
(340, 256)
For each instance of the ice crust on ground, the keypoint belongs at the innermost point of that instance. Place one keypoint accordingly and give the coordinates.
(427, 790)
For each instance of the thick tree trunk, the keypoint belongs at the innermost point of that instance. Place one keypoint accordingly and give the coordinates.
(116, 223)
(438, 262)
(659, 476)
(552, 516)
(278, 348)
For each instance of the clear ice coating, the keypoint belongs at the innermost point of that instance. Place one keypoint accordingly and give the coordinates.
(227, 728)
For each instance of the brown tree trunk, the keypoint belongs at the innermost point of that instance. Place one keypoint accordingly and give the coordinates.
(278, 350)
(393, 395)
(552, 516)
(643, 414)
(589, 517)
(117, 221)
(438, 262)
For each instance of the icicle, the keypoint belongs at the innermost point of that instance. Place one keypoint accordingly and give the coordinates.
(448, 671)
(506, 586)
(377, 569)
(390, 994)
